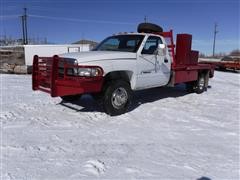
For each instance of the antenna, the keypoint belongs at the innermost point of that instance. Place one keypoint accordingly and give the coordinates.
(214, 38)
(145, 19)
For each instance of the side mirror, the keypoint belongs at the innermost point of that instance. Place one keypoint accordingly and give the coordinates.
(161, 46)
(162, 49)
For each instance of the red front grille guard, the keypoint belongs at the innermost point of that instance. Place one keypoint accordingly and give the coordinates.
(47, 77)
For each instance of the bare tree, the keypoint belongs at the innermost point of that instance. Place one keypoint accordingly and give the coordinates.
(235, 52)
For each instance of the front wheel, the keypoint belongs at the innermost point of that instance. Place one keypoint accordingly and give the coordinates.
(117, 98)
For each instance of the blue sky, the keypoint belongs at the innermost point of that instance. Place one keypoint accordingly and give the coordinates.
(67, 21)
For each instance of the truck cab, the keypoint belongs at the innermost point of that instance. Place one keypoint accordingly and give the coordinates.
(142, 57)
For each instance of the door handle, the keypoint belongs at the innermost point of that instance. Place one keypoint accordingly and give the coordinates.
(165, 60)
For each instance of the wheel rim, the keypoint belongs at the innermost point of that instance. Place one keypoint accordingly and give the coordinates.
(119, 98)
(201, 82)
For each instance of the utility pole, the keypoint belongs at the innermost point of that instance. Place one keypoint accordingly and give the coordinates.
(26, 31)
(23, 30)
(214, 38)
(24, 26)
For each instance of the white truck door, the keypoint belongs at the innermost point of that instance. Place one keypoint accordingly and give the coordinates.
(152, 69)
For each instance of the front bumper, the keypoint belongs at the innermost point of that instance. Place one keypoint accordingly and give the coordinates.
(48, 78)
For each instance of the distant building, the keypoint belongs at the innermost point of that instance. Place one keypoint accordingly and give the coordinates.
(90, 43)
(49, 50)
(23, 54)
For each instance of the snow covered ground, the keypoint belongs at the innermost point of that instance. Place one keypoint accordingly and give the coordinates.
(169, 134)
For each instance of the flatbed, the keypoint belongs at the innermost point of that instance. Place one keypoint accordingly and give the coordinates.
(122, 64)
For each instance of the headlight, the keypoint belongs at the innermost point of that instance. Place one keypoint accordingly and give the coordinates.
(75, 69)
(90, 71)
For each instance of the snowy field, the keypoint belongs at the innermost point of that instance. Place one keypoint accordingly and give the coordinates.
(168, 134)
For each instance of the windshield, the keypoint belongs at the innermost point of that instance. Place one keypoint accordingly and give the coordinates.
(124, 43)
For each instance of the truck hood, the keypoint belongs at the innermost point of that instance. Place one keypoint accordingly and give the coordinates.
(91, 56)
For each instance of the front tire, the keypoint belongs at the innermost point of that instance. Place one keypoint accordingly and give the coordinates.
(117, 98)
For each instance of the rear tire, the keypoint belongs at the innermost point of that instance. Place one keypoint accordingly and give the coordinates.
(149, 28)
(201, 84)
(71, 97)
(198, 86)
(117, 98)
(190, 86)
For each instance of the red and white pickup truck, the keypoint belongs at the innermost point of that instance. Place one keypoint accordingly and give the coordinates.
(121, 64)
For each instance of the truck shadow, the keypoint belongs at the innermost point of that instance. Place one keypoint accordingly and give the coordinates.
(85, 104)
(155, 94)
(88, 104)
(228, 70)
(204, 178)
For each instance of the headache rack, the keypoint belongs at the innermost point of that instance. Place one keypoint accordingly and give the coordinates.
(57, 80)
(185, 66)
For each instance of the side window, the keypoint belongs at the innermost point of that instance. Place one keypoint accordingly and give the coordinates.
(151, 45)
(131, 43)
(111, 44)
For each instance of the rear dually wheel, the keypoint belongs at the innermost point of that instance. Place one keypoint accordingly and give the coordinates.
(198, 86)
(201, 84)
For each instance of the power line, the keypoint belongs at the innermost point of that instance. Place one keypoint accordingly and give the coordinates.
(8, 17)
(127, 1)
(82, 20)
